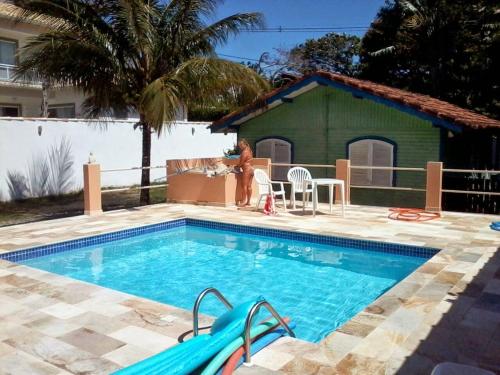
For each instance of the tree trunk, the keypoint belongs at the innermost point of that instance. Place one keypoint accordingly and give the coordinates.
(45, 99)
(146, 161)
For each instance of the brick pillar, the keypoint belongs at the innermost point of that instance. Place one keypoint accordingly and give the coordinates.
(434, 186)
(343, 172)
(92, 189)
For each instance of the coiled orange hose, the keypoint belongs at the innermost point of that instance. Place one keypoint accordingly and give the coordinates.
(412, 214)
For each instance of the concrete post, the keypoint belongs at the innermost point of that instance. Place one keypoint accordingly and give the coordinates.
(92, 189)
(434, 186)
(343, 172)
(170, 171)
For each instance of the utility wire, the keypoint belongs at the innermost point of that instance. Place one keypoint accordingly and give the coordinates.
(281, 29)
(238, 57)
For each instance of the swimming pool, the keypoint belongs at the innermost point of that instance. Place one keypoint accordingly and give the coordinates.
(318, 281)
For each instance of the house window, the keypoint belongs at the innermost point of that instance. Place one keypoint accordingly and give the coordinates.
(7, 59)
(279, 151)
(371, 153)
(10, 110)
(62, 110)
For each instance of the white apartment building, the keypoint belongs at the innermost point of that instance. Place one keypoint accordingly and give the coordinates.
(24, 99)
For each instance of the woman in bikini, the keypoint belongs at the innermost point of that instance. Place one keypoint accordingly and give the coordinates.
(246, 157)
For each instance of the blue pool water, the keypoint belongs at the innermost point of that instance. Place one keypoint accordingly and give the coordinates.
(319, 286)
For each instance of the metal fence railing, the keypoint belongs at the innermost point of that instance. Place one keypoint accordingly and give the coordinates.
(481, 187)
(7, 73)
(480, 196)
(114, 190)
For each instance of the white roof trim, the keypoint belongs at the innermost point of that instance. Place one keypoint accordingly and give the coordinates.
(302, 90)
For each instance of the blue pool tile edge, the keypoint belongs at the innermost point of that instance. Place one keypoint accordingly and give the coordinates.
(386, 247)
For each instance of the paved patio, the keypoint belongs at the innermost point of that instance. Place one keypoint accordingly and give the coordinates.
(447, 310)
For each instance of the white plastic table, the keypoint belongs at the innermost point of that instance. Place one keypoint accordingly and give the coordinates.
(331, 183)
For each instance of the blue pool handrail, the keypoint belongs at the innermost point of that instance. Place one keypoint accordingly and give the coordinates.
(248, 325)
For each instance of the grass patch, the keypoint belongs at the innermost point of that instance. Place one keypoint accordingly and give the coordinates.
(45, 208)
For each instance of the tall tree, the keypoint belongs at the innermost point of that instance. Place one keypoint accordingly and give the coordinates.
(148, 56)
(332, 52)
(444, 48)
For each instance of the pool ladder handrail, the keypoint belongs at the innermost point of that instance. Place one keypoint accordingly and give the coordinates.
(248, 322)
(197, 304)
(248, 325)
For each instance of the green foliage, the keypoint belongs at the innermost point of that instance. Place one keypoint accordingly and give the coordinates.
(206, 113)
(148, 56)
(332, 52)
(443, 48)
(232, 151)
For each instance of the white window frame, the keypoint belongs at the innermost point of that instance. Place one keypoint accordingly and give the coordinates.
(370, 142)
(277, 173)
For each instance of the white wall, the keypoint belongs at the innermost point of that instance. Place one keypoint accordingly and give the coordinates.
(117, 145)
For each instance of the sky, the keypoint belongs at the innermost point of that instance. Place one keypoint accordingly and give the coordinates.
(294, 13)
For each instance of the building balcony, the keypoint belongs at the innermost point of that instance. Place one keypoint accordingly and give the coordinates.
(7, 75)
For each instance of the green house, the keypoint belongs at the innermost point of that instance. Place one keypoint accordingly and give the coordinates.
(323, 117)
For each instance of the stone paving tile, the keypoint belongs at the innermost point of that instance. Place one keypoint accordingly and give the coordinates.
(271, 359)
(5, 349)
(20, 363)
(380, 344)
(143, 338)
(109, 309)
(91, 341)
(448, 309)
(60, 354)
(127, 355)
(255, 370)
(62, 310)
(52, 326)
(357, 364)
(302, 366)
(97, 322)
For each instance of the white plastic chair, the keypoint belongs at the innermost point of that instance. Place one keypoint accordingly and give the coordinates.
(297, 176)
(265, 186)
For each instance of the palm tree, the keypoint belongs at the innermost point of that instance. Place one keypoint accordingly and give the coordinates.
(149, 56)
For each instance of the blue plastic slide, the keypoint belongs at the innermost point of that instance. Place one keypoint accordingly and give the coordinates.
(186, 357)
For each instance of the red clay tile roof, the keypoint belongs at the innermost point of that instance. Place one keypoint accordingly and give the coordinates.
(419, 102)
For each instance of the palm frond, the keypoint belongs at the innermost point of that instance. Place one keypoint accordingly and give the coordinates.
(213, 80)
(123, 52)
(220, 31)
(160, 101)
